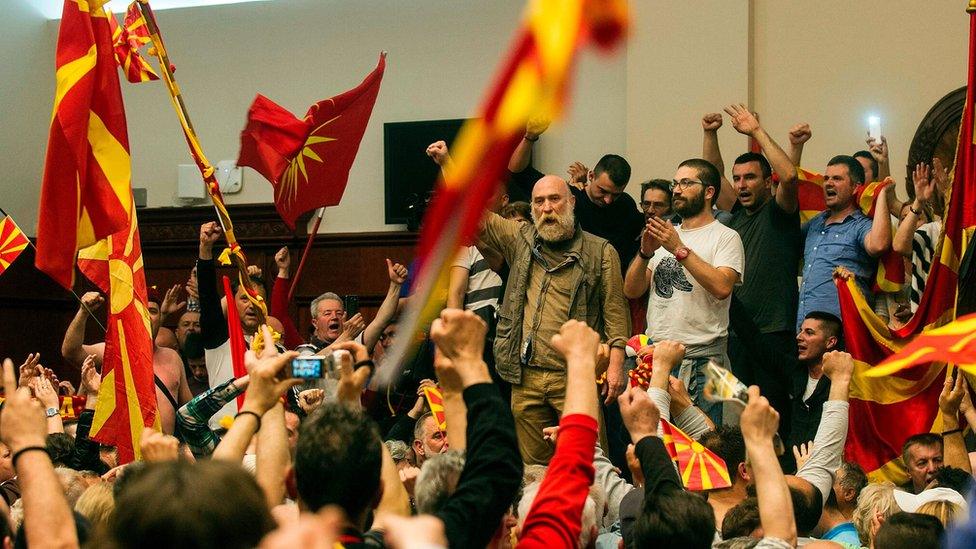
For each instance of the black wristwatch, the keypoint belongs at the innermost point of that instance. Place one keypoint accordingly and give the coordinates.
(640, 253)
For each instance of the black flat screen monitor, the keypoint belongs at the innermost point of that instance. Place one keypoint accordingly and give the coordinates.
(409, 173)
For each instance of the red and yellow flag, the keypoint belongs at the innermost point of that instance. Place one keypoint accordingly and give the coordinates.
(435, 400)
(810, 194)
(127, 39)
(86, 188)
(12, 242)
(308, 161)
(127, 399)
(534, 80)
(893, 402)
(954, 343)
(699, 468)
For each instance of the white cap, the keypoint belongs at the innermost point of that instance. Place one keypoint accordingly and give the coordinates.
(911, 502)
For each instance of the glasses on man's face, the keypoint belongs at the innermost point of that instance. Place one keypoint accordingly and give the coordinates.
(684, 184)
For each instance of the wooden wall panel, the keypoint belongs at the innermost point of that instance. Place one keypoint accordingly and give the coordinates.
(34, 311)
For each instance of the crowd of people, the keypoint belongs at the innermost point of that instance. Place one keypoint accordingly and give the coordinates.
(543, 436)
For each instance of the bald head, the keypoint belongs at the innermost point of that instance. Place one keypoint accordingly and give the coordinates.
(551, 184)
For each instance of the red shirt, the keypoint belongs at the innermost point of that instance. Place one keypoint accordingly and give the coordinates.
(555, 517)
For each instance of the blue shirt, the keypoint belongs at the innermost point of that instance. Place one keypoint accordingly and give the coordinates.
(844, 533)
(825, 248)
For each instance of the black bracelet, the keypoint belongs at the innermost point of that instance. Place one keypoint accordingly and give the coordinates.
(914, 211)
(250, 413)
(640, 253)
(525, 137)
(361, 363)
(18, 453)
(951, 432)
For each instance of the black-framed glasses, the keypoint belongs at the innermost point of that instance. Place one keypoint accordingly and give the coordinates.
(684, 184)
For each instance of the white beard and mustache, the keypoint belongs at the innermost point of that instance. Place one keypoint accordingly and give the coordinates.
(555, 227)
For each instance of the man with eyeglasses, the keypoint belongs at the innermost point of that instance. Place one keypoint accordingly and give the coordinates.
(691, 270)
(603, 207)
(762, 345)
(656, 199)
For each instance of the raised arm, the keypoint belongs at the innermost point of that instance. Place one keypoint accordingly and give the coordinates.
(746, 123)
(523, 152)
(924, 185)
(828, 444)
(759, 422)
(954, 446)
(799, 134)
(711, 122)
(388, 309)
(878, 239)
(48, 521)
(213, 326)
(718, 281)
(194, 416)
(279, 299)
(73, 348)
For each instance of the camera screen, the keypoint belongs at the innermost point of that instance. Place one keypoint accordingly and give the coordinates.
(307, 367)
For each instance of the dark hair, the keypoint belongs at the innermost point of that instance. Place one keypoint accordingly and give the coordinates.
(909, 531)
(178, 504)
(854, 168)
(59, 447)
(675, 519)
(745, 158)
(727, 442)
(616, 168)
(871, 161)
(922, 439)
(707, 172)
(662, 185)
(954, 478)
(193, 345)
(338, 459)
(832, 325)
(807, 507)
(519, 207)
(741, 520)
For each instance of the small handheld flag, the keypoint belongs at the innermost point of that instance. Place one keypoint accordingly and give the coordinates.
(699, 468)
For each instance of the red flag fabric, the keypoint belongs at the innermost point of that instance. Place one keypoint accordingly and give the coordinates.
(84, 194)
(308, 161)
(435, 400)
(235, 335)
(12, 242)
(810, 194)
(127, 39)
(127, 398)
(699, 468)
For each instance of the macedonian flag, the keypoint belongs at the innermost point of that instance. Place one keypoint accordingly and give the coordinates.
(699, 468)
(127, 39)
(127, 399)
(308, 161)
(12, 242)
(435, 400)
(85, 192)
(889, 404)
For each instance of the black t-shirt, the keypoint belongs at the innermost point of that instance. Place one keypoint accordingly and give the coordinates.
(620, 222)
(773, 247)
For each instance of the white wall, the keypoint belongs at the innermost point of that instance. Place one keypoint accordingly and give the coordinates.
(827, 63)
(26, 91)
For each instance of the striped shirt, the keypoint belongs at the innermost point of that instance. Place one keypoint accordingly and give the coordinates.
(923, 251)
(484, 285)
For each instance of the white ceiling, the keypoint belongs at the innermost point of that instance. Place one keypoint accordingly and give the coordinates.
(52, 8)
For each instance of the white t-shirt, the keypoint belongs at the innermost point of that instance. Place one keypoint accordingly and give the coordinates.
(484, 284)
(679, 307)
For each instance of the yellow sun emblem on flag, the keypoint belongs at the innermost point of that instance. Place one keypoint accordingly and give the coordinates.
(297, 172)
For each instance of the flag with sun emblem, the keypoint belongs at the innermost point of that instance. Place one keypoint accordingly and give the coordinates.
(12, 242)
(307, 161)
(699, 467)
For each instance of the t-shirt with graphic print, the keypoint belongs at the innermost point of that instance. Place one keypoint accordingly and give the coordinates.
(679, 308)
